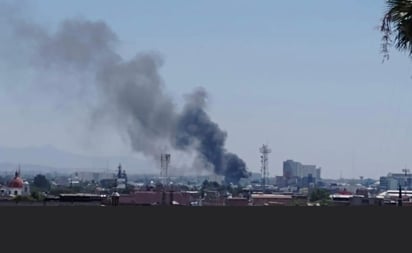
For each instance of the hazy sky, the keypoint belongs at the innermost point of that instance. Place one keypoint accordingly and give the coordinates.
(305, 77)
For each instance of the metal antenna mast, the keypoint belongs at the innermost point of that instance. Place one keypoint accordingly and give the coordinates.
(264, 150)
(164, 165)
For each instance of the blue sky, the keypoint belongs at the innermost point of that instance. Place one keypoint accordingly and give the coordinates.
(305, 77)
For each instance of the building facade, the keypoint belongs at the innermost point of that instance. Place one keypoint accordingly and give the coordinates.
(86, 176)
(393, 180)
(292, 169)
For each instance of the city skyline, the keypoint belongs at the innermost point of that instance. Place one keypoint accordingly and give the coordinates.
(312, 87)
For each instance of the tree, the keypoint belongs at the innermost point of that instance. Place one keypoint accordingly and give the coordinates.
(36, 196)
(319, 194)
(397, 27)
(41, 182)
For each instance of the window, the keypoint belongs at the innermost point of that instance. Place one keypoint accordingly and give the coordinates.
(15, 192)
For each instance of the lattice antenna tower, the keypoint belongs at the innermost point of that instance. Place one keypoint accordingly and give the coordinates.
(164, 166)
(264, 150)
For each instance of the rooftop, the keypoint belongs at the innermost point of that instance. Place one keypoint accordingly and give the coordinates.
(270, 196)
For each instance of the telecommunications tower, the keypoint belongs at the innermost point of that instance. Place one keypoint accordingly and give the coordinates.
(164, 165)
(264, 150)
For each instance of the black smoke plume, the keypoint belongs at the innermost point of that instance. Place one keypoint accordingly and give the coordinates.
(129, 92)
(196, 129)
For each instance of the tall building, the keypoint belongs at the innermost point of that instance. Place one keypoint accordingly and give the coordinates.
(393, 180)
(292, 169)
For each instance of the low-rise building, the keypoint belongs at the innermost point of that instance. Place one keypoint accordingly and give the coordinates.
(237, 201)
(271, 199)
(148, 198)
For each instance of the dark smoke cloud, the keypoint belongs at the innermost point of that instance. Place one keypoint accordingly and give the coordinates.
(133, 90)
(196, 129)
(130, 92)
(79, 44)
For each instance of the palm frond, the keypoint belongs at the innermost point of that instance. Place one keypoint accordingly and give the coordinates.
(396, 26)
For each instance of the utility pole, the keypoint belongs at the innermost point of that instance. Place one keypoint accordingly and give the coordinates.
(406, 177)
(400, 195)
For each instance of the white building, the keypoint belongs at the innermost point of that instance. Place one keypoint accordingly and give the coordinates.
(16, 187)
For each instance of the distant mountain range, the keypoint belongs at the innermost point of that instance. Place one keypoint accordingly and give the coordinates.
(50, 159)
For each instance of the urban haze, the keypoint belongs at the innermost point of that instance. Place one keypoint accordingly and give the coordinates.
(206, 103)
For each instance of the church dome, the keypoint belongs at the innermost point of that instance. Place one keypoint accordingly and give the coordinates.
(16, 182)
